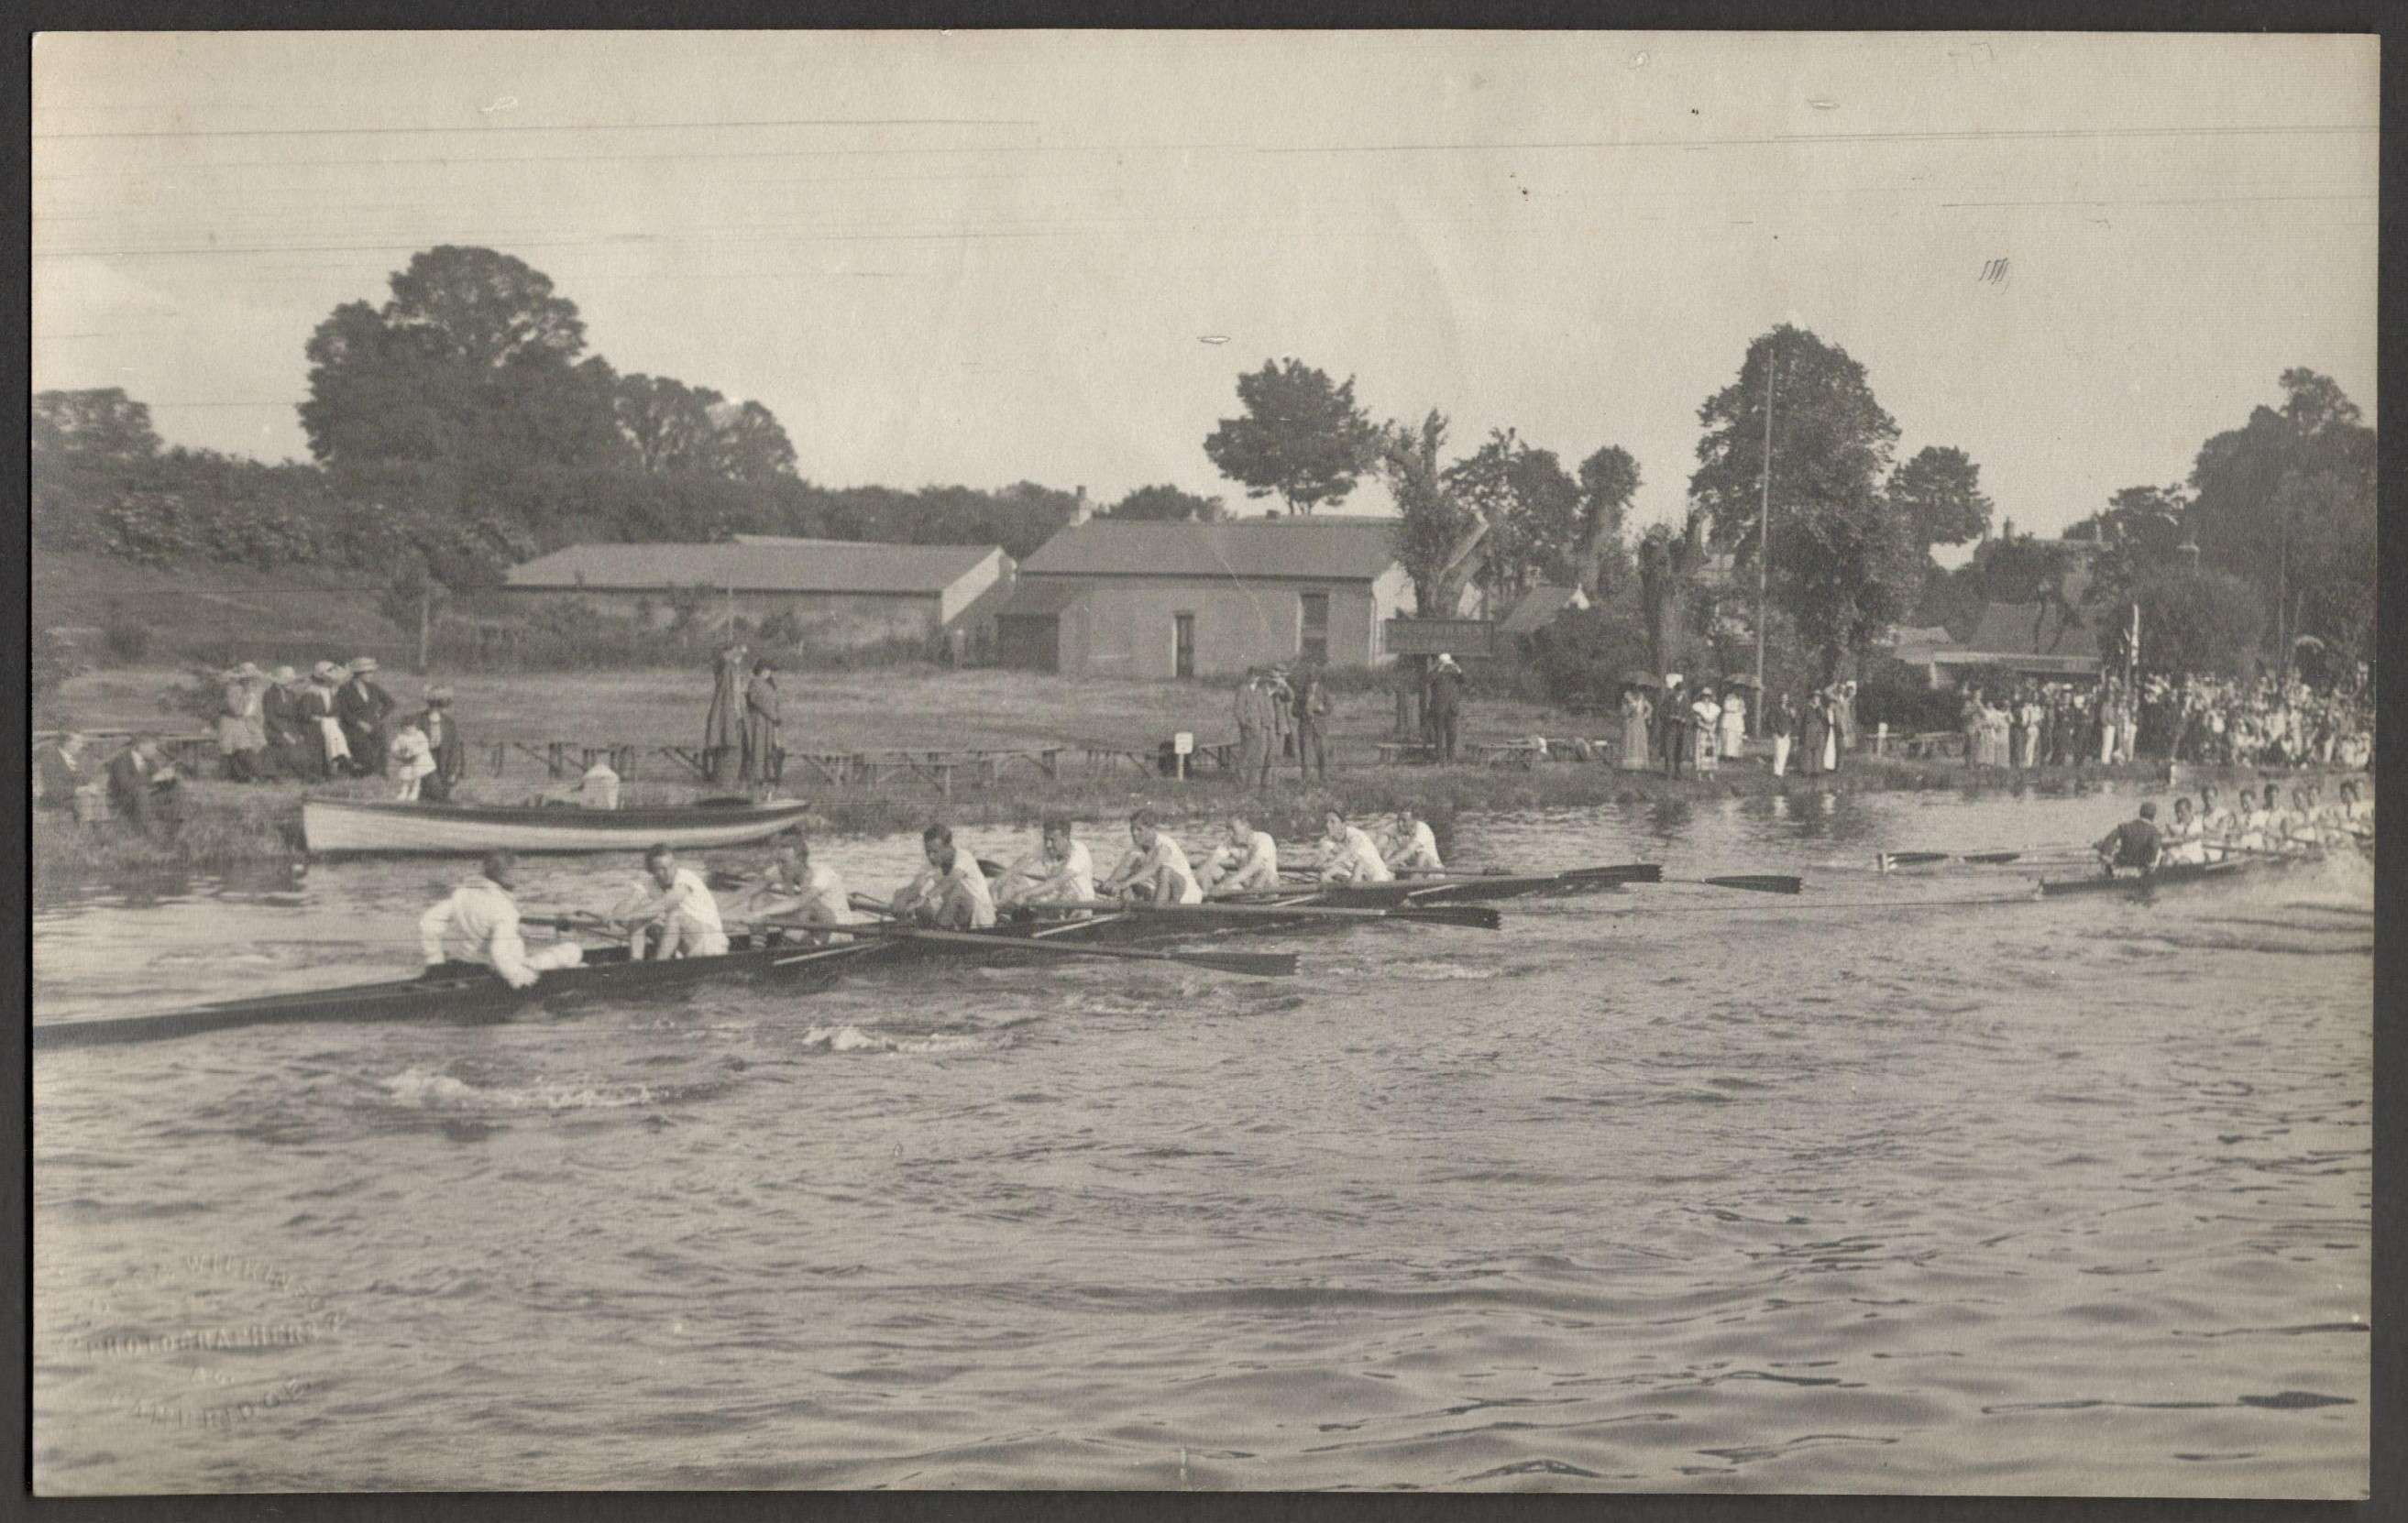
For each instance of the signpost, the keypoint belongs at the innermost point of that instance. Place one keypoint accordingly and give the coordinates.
(1182, 746)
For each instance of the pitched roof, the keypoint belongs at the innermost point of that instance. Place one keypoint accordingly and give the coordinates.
(1317, 550)
(1539, 607)
(758, 564)
(1041, 599)
(2030, 629)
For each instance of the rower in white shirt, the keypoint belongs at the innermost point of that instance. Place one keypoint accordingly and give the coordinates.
(1247, 860)
(1156, 868)
(2353, 813)
(480, 924)
(670, 910)
(1415, 848)
(1059, 872)
(1349, 855)
(797, 889)
(2184, 841)
(2217, 825)
(950, 892)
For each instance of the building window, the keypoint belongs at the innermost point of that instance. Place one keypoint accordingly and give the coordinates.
(1182, 645)
(1314, 647)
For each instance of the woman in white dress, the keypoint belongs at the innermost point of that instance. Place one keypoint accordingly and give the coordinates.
(1734, 734)
(1637, 752)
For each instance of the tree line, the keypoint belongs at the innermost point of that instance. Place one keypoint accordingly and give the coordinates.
(2268, 548)
(463, 426)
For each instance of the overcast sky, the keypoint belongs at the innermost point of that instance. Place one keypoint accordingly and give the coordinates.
(982, 258)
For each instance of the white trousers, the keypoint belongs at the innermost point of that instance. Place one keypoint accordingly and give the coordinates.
(1779, 755)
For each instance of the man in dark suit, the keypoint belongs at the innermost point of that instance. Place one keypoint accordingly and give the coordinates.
(1445, 704)
(363, 708)
(142, 788)
(443, 739)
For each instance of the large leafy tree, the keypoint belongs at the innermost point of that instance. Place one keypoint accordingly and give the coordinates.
(1436, 532)
(95, 430)
(2286, 501)
(676, 429)
(471, 370)
(1939, 491)
(1608, 480)
(1300, 437)
(2197, 620)
(1845, 561)
(1532, 509)
(1165, 503)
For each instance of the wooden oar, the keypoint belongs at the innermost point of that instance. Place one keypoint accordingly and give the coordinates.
(1476, 917)
(1256, 964)
(1752, 882)
(1625, 872)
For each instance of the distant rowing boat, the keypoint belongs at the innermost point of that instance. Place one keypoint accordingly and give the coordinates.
(343, 827)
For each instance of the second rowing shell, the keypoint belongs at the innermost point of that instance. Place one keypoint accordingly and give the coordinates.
(344, 827)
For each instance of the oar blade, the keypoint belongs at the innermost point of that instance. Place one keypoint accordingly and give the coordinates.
(1472, 917)
(1252, 964)
(1624, 872)
(1994, 859)
(1759, 882)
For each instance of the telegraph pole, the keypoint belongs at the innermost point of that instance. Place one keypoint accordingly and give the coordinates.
(1764, 545)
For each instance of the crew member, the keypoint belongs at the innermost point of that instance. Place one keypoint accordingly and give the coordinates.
(2216, 824)
(795, 889)
(1060, 871)
(480, 924)
(1246, 862)
(1156, 868)
(1349, 855)
(2134, 843)
(2184, 840)
(671, 911)
(1416, 848)
(950, 892)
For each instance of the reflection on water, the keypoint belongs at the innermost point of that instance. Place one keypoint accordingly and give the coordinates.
(1906, 1183)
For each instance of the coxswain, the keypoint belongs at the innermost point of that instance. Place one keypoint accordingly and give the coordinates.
(1156, 868)
(950, 892)
(1061, 871)
(2134, 843)
(1416, 848)
(1247, 860)
(479, 924)
(1349, 855)
(670, 909)
(2184, 841)
(807, 896)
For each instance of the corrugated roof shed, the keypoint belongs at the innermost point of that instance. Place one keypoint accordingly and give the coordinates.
(758, 564)
(1314, 549)
(2030, 629)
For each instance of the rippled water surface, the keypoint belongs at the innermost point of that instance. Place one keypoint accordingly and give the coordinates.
(1877, 1189)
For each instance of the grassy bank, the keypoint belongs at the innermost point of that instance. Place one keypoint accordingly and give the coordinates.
(228, 825)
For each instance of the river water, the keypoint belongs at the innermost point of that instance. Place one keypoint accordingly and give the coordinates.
(1905, 1184)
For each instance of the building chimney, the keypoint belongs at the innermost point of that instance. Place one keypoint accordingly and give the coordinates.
(1081, 510)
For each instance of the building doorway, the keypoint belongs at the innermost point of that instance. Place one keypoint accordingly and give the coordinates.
(1314, 645)
(1182, 645)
